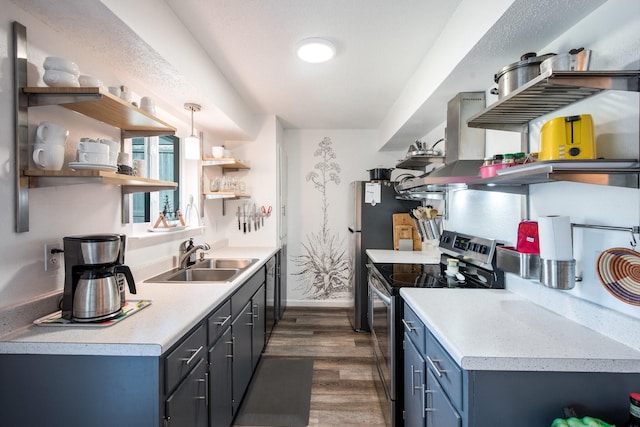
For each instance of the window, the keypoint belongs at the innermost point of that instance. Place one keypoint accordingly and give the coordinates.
(146, 206)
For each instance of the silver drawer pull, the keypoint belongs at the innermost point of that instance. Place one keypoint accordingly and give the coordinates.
(230, 356)
(424, 401)
(256, 307)
(202, 380)
(226, 319)
(439, 371)
(193, 356)
(408, 326)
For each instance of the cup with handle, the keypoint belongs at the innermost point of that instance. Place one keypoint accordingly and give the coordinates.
(114, 148)
(93, 152)
(51, 133)
(48, 156)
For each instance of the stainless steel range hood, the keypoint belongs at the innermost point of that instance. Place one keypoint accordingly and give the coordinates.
(464, 148)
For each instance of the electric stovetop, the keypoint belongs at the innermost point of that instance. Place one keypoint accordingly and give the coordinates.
(425, 276)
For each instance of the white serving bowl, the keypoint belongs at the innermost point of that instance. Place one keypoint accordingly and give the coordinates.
(88, 81)
(57, 78)
(61, 64)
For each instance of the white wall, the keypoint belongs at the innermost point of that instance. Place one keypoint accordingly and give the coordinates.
(355, 154)
(611, 32)
(56, 212)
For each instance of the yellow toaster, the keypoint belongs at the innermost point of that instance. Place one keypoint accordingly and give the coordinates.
(567, 138)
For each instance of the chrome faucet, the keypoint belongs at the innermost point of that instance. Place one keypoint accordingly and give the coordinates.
(187, 256)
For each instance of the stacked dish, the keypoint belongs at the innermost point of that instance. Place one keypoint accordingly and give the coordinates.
(60, 72)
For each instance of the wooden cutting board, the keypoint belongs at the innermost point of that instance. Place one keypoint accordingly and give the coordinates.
(405, 228)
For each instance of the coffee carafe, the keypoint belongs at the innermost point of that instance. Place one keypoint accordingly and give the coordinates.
(94, 277)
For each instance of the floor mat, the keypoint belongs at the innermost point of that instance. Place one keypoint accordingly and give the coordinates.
(279, 395)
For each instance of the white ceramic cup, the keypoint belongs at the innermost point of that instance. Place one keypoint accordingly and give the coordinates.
(93, 157)
(114, 90)
(124, 159)
(51, 133)
(93, 147)
(48, 156)
(228, 154)
(217, 151)
(140, 168)
(114, 148)
(125, 96)
(147, 104)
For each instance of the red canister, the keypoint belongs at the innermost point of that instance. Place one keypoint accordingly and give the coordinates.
(528, 239)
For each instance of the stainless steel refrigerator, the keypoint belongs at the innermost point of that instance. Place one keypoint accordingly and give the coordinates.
(370, 227)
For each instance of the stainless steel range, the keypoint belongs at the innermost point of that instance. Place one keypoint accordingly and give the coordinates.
(466, 262)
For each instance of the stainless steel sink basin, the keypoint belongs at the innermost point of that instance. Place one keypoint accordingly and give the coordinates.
(204, 275)
(239, 263)
(220, 270)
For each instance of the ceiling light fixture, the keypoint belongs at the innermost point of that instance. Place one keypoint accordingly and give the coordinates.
(192, 142)
(315, 50)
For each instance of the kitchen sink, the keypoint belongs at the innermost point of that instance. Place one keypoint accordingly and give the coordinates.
(204, 275)
(221, 270)
(239, 263)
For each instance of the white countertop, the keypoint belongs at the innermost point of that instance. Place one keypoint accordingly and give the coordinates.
(499, 330)
(429, 255)
(174, 310)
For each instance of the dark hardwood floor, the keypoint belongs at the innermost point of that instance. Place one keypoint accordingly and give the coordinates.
(343, 391)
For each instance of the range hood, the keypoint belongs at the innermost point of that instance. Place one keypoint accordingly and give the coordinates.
(464, 148)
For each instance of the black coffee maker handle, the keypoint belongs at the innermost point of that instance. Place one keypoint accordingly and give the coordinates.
(124, 269)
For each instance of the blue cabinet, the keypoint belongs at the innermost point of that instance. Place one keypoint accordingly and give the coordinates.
(439, 393)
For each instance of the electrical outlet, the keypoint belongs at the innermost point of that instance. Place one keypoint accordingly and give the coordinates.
(52, 256)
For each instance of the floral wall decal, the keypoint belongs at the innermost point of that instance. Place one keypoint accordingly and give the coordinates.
(324, 266)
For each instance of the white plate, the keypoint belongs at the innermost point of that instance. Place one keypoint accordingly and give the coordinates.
(92, 166)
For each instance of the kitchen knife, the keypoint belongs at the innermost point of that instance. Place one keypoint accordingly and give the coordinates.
(249, 215)
(244, 217)
(238, 215)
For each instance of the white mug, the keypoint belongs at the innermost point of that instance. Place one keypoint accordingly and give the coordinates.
(48, 156)
(114, 148)
(93, 147)
(147, 104)
(217, 152)
(114, 90)
(51, 133)
(93, 157)
(140, 168)
(124, 159)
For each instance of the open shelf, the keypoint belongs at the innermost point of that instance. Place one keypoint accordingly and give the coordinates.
(225, 195)
(130, 184)
(227, 164)
(100, 105)
(548, 92)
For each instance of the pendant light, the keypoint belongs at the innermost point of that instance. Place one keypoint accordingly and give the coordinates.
(192, 142)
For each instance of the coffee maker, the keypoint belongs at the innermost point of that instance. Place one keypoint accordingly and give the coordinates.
(94, 277)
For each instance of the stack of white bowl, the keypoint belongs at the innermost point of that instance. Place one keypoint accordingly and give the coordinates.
(60, 72)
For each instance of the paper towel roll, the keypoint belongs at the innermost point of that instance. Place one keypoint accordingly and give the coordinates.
(555, 238)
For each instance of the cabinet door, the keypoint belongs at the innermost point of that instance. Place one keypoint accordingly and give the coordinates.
(220, 381)
(440, 412)
(259, 325)
(241, 329)
(187, 406)
(414, 385)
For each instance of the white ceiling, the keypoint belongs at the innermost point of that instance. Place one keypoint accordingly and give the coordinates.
(236, 57)
(379, 46)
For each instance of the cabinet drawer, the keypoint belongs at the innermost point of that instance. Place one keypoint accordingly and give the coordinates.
(414, 328)
(218, 322)
(246, 291)
(445, 370)
(187, 355)
(438, 410)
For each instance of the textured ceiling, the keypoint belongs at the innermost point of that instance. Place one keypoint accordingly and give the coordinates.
(250, 44)
(379, 45)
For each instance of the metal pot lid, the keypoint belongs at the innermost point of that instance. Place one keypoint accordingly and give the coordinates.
(527, 59)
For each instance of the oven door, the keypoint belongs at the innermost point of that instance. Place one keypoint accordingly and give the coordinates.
(381, 323)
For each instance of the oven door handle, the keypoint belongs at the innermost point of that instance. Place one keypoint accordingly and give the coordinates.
(385, 298)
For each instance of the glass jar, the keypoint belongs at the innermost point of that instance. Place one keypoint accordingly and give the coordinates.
(519, 158)
(497, 159)
(508, 159)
